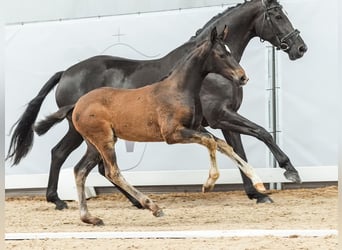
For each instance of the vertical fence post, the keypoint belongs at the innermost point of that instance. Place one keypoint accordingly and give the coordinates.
(273, 105)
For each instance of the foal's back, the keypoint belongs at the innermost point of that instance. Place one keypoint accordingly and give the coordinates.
(129, 113)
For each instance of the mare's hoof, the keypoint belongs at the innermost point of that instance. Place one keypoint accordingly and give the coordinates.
(264, 200)
(292, 176)
(158, 213)
(60, 205)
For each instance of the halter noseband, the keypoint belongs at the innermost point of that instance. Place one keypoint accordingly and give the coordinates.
(283, 41)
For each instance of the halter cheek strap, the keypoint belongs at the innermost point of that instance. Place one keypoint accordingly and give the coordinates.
(283, 41)
(284, 45)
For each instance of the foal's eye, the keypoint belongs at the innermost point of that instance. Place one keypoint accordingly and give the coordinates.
(222, 55)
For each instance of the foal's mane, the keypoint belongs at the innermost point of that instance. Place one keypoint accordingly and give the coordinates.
(185, 57)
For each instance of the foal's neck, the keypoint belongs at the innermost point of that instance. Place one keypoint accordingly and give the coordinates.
(190, 72)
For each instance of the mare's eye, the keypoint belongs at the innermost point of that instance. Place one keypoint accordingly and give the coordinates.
(222, 55)
(278, 17)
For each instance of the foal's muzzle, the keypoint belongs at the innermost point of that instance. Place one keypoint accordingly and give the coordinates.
(243, 80)
(240, 77)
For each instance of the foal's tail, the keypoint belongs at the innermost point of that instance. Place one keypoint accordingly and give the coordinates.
(22, 137)
(44, 125)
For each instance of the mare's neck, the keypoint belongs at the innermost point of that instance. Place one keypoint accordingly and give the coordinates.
(241, 21)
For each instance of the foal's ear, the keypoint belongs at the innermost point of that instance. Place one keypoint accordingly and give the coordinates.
(213, 35)
(225, 32)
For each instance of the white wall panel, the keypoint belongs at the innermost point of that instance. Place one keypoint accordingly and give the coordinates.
(308, 94)
(309, 87)
(35, 51)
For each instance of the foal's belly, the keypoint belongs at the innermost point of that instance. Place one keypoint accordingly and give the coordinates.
(137, 129)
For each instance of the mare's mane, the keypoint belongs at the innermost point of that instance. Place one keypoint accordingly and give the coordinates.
(219, 15)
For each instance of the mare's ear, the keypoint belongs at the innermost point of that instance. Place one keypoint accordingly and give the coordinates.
(268, 2)
(213, 35)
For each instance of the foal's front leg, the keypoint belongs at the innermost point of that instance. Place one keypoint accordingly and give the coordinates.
(247, 169)
(185, 135)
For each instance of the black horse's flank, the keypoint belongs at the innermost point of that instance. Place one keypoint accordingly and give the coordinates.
(220, 98)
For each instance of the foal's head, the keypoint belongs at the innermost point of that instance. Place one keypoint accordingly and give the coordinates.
(221, 61)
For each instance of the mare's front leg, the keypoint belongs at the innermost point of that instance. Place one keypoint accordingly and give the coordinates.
(234, 140)
(232, 121)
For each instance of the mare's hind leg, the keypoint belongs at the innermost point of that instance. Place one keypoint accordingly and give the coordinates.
(59, 153)
(235, 141)
(81, 171)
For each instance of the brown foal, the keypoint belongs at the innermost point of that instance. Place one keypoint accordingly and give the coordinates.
(168, 110)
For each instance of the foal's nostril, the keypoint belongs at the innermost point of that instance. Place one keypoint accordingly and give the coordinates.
(243, 80)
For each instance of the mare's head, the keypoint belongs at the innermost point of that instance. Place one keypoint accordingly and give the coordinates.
(221, 61)
(274, 26)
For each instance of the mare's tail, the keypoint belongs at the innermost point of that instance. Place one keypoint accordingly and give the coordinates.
(22, 136)
(44, 125)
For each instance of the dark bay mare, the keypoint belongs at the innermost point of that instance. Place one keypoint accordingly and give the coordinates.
(220, 98)
(168, 110)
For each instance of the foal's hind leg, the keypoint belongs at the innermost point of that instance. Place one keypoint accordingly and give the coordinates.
(105, 145)
(81, 171)
(128, 196)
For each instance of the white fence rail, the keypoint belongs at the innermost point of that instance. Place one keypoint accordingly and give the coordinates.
(67, 187)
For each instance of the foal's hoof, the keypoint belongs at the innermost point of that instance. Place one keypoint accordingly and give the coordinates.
(260, 187)
(292, 176)
(206, 189)
(93, 220)
(158, 213)
(99, 222)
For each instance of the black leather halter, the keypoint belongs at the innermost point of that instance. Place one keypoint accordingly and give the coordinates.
(283, 42)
